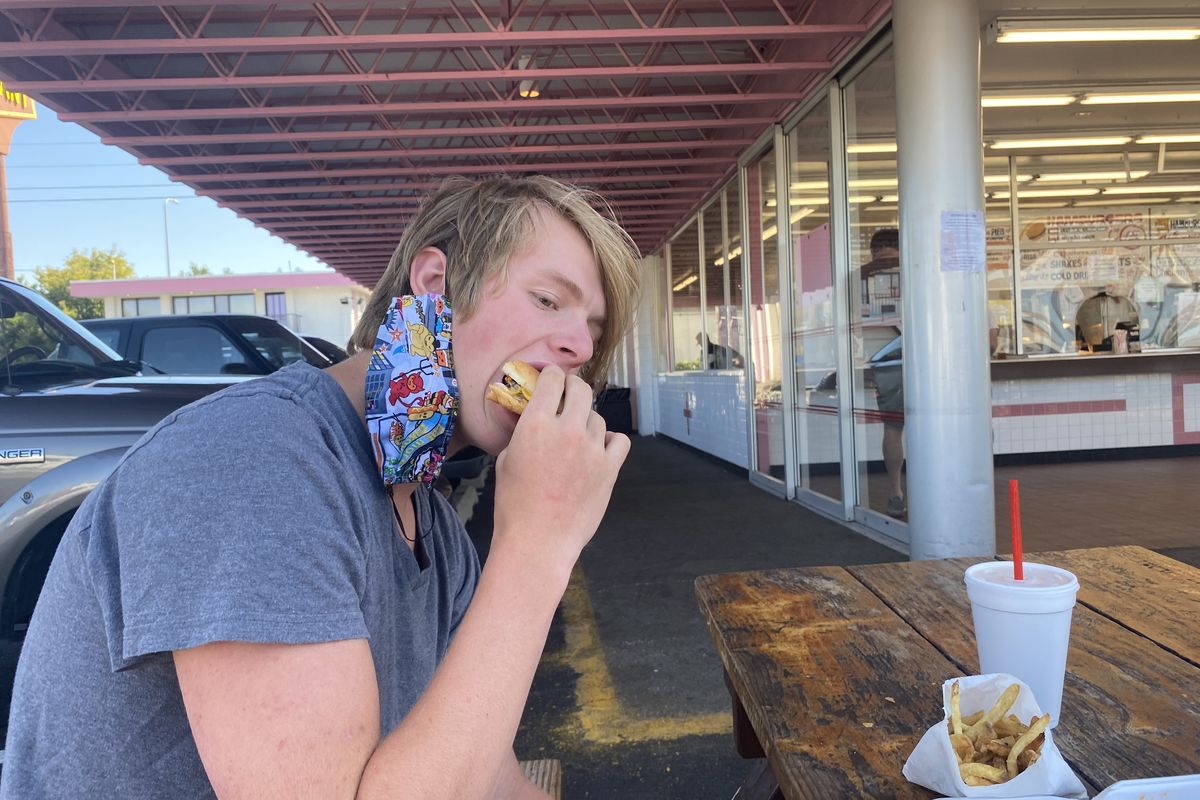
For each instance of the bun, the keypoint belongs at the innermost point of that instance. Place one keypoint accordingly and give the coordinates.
(514, 393)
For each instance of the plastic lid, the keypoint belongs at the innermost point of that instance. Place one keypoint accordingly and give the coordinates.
(1044, 590)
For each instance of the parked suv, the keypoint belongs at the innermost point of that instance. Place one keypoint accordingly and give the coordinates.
(69, 408)
(206, 344)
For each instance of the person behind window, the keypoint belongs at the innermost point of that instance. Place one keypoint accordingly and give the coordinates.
(889, 373)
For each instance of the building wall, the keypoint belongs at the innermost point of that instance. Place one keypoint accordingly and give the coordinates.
(312, 310)
(322, 313)
(706, 410)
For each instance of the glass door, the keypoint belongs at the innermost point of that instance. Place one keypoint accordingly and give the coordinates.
(763, 319)
(814, 328)
(875, 286)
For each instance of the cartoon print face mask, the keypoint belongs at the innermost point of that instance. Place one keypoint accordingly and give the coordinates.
(412, 394)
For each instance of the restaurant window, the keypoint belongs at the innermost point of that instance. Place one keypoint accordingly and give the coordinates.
(140, 306)
(686, 321)
(721, 317)
(765, 345)
(814, 329)
(214, 304)
(875, 287)
(1109, 255)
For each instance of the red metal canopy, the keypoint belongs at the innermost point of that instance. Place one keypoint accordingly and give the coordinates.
(326, 123)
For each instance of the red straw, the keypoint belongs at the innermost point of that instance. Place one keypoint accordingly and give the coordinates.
(1014, 515)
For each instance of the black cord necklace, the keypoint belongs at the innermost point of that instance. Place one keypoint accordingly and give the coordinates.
(399, 521)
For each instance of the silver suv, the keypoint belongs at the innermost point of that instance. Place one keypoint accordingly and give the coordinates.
(69, 408)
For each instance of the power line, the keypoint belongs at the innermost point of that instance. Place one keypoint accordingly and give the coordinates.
(103, 199)
(93, 186)
(72, 166)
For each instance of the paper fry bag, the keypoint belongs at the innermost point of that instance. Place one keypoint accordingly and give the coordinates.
(934, 765)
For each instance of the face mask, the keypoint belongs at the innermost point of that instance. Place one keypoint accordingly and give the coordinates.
(412, 394)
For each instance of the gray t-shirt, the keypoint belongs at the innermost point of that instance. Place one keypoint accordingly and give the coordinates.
(256, 514)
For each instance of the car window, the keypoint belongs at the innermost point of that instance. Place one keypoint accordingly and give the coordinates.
(40, 346)
(191, 350)
(278, 345)
(110, 336)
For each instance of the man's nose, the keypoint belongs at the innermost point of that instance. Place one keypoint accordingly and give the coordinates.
(574, 346)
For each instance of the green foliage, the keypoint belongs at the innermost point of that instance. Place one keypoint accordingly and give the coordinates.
(55, 282)
(195, 268)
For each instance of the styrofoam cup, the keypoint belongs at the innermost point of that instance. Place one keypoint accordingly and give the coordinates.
(1024, 627)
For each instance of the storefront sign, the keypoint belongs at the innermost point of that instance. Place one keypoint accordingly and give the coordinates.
(14, 105)
(1052, 269)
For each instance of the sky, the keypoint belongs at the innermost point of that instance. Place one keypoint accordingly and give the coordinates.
(67, 190)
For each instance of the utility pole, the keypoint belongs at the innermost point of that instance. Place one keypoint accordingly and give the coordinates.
(166, 238)
(15, 108)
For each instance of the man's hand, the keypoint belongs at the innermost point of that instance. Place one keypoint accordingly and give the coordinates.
(555, 479)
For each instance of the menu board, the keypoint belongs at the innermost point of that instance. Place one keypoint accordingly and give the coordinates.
(1085, 228)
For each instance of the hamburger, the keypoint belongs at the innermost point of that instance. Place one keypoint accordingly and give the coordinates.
(515, 388)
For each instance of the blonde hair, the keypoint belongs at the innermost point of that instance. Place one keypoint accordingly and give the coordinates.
(481, 225)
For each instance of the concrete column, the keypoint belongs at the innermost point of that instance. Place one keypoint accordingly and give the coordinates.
(947, 385)
(648, 347)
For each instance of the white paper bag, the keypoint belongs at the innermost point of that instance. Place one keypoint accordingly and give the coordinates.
(934, 766)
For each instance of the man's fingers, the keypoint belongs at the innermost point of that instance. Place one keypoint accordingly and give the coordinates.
(597, 427)
(549, 390)
(616, 448)
(577, 403)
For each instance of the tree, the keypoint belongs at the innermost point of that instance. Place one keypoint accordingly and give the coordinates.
(195, 268)
(55, 282)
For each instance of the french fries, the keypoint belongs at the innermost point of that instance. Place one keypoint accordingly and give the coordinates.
(994, 746)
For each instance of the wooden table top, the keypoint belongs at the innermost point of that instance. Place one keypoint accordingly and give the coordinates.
(840, 668)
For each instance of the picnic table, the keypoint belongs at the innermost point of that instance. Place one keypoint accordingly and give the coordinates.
(836, 672)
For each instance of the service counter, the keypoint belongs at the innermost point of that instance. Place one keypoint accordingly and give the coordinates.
(1096, 402)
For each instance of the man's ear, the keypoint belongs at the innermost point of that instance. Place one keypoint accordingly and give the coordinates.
(427, 273)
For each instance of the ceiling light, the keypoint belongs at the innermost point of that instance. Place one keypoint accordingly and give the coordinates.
(1047, 193)
(1124, 201)
(526, 88)
(873, 183)
(1114, 98)
(1004, 178)
(686, 282)
(859, 199)
(1014, 31)
(871, 147)
(1152, 189)
(1076, 141)
(1073, 177)
(1026, 101)
(1173, 138)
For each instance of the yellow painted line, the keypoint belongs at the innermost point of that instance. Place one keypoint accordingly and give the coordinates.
(601, 715)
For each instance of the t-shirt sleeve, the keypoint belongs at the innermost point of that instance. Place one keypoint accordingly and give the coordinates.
(228, 525)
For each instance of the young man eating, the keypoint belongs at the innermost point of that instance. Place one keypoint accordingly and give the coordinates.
(266, 600)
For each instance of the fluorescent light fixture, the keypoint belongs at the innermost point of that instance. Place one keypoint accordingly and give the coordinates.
(1171, 138)
(1047, 193)
(1004, 178)
(1026, 101)
(873, 183)
(1124, 201)
(1153, 189)
(1116, 98)
(1073, 177)
(859, 199)
(526, 88)
(808, 186)
(1051, 29)
(871, 147)
(686, 282)
(732, 254)
(1073, 141)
